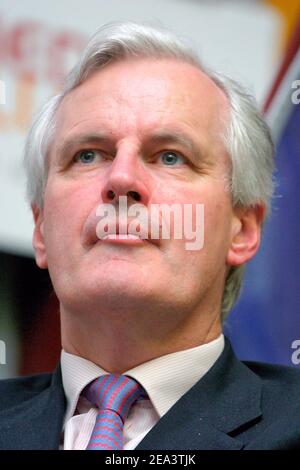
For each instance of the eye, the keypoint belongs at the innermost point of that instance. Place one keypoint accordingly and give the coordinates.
(171, 158)
(87, 156)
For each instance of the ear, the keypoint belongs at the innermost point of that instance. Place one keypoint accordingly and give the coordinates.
(246, 234)
(38, 241)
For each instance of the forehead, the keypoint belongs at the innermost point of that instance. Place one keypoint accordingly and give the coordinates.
(141, 94)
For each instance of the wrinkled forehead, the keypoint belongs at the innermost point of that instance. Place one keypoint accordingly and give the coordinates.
(144, 93)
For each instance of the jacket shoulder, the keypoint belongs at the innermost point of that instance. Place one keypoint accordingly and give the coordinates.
(16, 390)
(274, 373)
(281, 384)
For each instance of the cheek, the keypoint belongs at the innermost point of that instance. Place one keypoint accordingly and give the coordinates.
(66, 209)
(211, 224)
(202, 267)
(217, 228)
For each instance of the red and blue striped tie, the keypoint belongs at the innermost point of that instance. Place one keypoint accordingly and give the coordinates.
(113, 395)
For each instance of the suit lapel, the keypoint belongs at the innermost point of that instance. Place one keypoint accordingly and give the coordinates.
(213, 413)
(37, 422)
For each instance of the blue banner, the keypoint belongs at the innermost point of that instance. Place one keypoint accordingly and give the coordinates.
(265, 323)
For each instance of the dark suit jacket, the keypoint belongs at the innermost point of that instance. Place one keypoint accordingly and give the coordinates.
(235, 405)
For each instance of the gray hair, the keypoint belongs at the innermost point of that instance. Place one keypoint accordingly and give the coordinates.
(247, 138)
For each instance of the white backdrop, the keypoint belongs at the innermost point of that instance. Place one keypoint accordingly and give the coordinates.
(39, 41)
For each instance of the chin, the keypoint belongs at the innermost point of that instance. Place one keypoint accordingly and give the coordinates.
(117, 285)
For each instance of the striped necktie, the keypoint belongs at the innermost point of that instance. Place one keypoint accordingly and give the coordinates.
(113, 395)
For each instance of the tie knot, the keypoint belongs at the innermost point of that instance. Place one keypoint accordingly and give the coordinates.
(114, 392)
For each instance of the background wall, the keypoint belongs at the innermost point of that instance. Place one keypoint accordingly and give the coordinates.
(39, 42)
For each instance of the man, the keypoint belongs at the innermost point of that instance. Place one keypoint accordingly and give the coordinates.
(142, 123)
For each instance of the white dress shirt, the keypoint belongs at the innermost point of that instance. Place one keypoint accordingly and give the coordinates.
(166, 379)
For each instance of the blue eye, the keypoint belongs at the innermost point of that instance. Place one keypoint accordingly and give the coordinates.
(86, 156)
(171, 158)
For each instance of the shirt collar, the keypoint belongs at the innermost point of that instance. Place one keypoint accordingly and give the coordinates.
(166, 379)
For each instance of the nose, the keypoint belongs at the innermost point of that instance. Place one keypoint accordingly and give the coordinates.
(126, 177)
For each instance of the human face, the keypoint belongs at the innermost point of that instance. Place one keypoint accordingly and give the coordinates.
(128, 114)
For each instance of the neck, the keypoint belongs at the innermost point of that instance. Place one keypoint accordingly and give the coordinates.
(119, 341)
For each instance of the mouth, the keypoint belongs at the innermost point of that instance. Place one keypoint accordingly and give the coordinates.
(130, 232)
(122, 235)
(128, 239)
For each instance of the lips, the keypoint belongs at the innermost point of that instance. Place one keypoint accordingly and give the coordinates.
(115, 236)
(131, 240)
(126, 234)
(116, 231)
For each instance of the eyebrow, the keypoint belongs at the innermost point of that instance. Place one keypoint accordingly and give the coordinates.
(69, 144)
(175, 137)
(162, 136)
